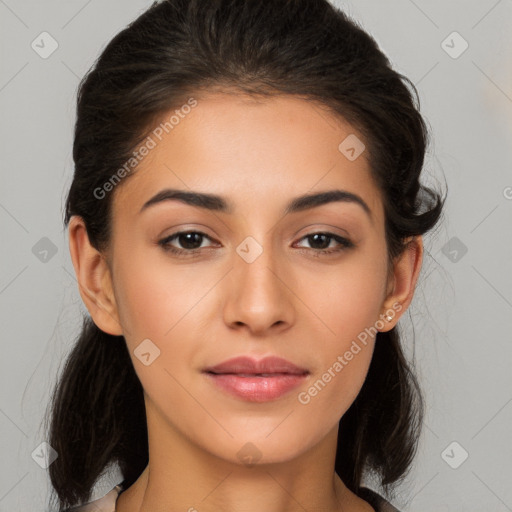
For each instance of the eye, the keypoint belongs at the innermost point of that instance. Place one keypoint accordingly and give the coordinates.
(324, 240)
(191, 243)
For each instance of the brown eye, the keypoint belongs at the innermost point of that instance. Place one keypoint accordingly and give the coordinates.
(321, 241)
(190, 242)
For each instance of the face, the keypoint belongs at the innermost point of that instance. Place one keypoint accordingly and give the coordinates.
(251, 276)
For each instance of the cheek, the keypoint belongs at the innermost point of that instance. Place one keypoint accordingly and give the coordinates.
(348, 299)
(332, 392)
(164, 304)
(153, 295)
(348, 303)
(346, 351)
(158, 303)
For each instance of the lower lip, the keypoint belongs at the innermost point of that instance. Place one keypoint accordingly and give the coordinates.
(257, 389)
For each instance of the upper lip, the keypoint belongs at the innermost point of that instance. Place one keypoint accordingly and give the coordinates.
(249, 365)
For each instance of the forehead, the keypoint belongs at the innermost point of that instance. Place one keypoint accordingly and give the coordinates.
(256, 152)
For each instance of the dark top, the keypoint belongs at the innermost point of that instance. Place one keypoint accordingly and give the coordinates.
(376, 500)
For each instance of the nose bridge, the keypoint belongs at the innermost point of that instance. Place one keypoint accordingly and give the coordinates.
(258, 296)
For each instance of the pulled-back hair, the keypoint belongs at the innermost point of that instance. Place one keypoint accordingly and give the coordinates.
(173, 51)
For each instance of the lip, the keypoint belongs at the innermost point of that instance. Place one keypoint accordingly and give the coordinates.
(256, 380)
(246, 364)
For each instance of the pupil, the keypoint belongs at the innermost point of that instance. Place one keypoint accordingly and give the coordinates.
(189, 240)
(315, 238)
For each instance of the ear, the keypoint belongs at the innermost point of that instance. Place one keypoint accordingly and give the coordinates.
(94, 278)
(402, 282)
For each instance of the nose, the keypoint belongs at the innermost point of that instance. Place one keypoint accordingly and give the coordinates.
(257, 296)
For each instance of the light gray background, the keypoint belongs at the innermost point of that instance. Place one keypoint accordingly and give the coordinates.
(462, 310)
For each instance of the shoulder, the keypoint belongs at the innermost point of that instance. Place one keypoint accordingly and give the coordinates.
(379, 503)
(105, 504)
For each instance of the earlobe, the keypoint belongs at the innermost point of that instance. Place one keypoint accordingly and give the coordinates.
(94, 278)
(405, 275)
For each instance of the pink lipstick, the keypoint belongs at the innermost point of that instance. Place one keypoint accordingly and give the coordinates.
(257, 381)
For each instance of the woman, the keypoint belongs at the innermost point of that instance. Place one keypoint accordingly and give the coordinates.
(245, 222)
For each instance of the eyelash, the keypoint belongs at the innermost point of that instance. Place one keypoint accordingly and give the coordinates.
(165, 244)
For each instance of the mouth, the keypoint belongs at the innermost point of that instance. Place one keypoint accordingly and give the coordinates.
(247, 366)
(256, 387)
(256, 381)
(256, 374)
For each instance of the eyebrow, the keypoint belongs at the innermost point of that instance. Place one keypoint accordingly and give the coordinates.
(219, 204)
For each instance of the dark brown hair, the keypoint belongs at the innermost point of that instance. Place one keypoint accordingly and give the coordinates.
(175, 50)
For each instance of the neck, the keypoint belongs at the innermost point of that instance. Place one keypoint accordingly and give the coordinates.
(183, 476)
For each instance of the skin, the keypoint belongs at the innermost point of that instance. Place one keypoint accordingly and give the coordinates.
(204, 309)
